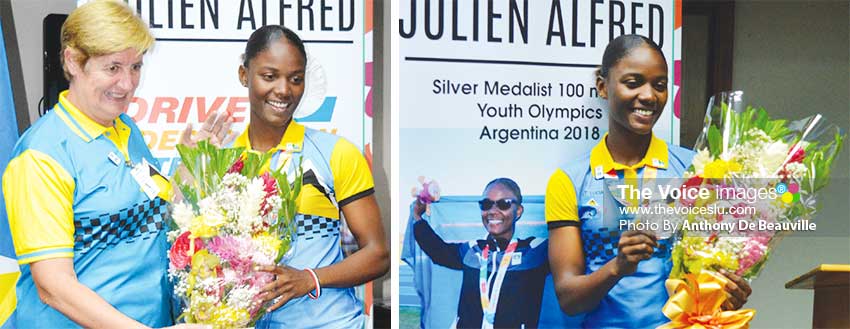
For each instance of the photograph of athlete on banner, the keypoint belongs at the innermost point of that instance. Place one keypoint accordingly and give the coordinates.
(522, 286)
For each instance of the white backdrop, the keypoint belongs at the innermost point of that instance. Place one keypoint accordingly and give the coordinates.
(447, 136)
(192, 69)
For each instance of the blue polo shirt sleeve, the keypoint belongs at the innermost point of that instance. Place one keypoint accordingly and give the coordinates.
(39, 196)
(561, 203)
(351, 173)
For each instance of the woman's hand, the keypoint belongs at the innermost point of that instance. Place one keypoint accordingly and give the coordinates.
(737, 290)
(634, 246)
(216, 129)
(289, 283)
(418, 209)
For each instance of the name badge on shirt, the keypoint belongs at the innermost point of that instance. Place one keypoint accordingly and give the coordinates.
(142, 174)
(516, 258)
(114, 158)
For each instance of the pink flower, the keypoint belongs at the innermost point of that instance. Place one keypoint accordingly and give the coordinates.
(270, 187)
(226, 247)
(235, 252)
(798, 155)
(753, 252)
(425, 195)
(237, 166)
(260, 280)
(179, 255)
(427, 192)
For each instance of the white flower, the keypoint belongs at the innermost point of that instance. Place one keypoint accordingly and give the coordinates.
(260, 256)
(182, 215)
(702, 158)
(213, 215)
(241, 297)
(275, 202)
(228, 201)
(757, 135)
(796, 169)
(250, 201)
(171, 236)
(180, 279)
(772, 158)
(234, 180)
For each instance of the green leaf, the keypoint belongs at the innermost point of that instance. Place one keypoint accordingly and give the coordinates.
(756, 268)
(254, 163)
(714, 141)
(207, 164)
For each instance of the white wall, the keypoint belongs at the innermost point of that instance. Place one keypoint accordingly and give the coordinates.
(793, 58)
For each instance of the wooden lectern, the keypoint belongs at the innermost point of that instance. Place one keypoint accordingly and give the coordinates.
(831, 283)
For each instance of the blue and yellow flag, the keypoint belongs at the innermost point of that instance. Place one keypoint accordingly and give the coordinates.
(9, 270)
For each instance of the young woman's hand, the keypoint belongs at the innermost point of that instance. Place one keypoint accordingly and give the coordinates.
(418, 209)
(737, 290)
(215, 129)
(634, 246)
(289, 283)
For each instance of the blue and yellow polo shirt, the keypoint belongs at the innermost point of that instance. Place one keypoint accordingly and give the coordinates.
(70, 194)
(335, 174)
(575, 196)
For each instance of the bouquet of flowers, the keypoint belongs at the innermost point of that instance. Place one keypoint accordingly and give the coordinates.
(761, 177)
(232, 219)
(426, 192)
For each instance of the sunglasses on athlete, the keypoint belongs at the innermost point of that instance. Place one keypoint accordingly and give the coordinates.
(503, 204)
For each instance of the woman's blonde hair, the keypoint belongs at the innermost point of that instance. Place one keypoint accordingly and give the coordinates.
(102, 27)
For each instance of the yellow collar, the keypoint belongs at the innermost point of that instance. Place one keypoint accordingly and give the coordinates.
(292, 140)
(601, 161)
(80, 123)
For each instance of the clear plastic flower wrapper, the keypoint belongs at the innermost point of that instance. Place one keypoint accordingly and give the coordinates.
(759, 177)
(231, 219)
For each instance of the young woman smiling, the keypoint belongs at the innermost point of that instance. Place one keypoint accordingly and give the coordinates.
(617, 277)
(315, 287)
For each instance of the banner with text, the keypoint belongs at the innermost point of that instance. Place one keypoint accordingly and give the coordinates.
(506, 88)
(192, 70)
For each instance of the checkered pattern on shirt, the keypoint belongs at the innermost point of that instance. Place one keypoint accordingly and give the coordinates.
(142, 220)
(601, 245)
(310, 227)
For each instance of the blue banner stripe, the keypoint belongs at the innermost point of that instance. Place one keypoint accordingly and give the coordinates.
(8, 136)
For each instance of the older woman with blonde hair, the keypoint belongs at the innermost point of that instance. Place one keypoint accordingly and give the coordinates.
(85, 199)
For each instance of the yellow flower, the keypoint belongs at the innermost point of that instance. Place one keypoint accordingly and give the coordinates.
(201, 228)
(267, 243)
(204, 263)
(199, 312)
(228, 317)
(720, 168)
